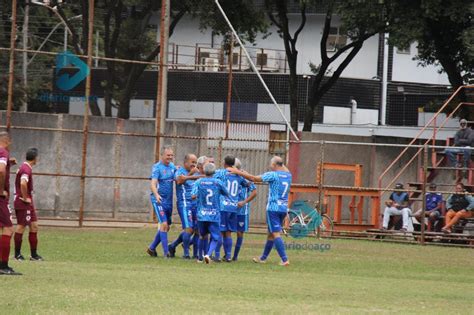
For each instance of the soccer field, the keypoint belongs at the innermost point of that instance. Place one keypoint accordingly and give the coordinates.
(107, 271)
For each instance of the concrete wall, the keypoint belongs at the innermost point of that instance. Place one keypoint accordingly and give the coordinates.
(107, 155)
(374, 160)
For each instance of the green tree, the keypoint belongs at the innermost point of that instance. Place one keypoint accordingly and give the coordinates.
(129, 37)
(360, 20)
(444, 33)
(277, 12)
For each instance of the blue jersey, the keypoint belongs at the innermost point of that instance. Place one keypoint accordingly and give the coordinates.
(278, 190)
(433, 200)
(244, 193)
(208, 191)
(234, 184)
(183, 191)
(165, 176)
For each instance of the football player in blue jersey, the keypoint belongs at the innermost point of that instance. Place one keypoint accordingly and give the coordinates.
(247, 194)
(161, 185)
(234, 184)
(208, 192)
(279, 180)
(185, 177)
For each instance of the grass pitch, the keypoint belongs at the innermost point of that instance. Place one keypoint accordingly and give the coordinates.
(107, 272)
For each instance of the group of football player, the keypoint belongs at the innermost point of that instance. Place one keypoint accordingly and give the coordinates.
(214, 203)
(23, 204)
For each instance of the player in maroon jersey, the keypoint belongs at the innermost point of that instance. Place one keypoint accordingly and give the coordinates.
(6, 226)
(24, 206)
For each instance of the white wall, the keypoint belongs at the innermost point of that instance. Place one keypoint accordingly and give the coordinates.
(342, 116)
(406, 69)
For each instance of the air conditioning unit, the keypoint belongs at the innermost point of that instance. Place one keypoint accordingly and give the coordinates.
(268, 60)
(210, 64)
(204, 52)
(240, 61)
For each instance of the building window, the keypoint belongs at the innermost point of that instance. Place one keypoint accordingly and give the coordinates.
(404, 51)
(335, 39)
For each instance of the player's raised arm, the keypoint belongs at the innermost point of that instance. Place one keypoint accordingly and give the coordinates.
(250, 177)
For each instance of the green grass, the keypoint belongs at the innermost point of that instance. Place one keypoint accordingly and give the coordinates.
(106, 271)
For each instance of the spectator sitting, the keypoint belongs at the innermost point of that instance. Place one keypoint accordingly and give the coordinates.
(397, 205)
(434, 202)
(462, 144)
(460, 205)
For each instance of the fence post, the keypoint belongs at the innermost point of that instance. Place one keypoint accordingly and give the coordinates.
(320, 183)
(86, 113)
(229, 86)
(11, 70)
(423, 193)
(219, 153)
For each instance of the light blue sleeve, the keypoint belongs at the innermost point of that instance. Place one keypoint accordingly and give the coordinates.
(269, 177)
(471, 202)
(222, 188)
(252, 186)
(155, 172)
(194, 191)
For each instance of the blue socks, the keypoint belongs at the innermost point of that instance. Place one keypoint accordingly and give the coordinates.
(280, 247)
(218, 248)
(227, 247)
(177, 241)
(238, 245)
(164, 242)
(186, 239)
(267, 249)
(195, 245)
(156, 241)
(212, 247)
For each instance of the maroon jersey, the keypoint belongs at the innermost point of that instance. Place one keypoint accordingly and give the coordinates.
(23, 173)
(5, 159)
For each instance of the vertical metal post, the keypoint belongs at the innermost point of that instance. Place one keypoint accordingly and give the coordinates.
(423, 193)
(320, 183)
(26, 18)
(161, 95)
(11, 70)
(219, 153)
(85, 128)
(229, 86)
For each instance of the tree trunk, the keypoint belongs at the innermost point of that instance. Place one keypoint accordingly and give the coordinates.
(124, 108)
(94, 107)
(293, 91)
(108, 103)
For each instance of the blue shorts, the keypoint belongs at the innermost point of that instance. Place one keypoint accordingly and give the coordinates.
(228, 222)
(242, 223)
(188, 216)
(163, 212)
(212, 228)
(275, 221)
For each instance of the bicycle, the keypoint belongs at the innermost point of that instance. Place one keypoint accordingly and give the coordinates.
(304, 219)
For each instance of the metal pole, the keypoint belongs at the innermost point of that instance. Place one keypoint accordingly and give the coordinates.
(25, 55)
(86, 112)
(11, 70)
(65, 37)
(229, 86)
(320, 184)
(161, 95)
(254, 68)
(423, 194)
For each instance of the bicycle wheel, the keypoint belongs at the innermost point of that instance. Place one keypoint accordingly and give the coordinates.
(296, 227)
(326, 227)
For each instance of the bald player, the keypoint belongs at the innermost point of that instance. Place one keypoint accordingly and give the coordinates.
(185, 178)
(6, 225)
(279, 181)
(161, 185)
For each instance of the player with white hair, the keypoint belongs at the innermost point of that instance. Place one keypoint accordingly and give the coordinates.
(279, 180)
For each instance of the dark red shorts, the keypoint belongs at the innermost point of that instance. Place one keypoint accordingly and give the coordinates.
(26, 216)
(5, 213)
